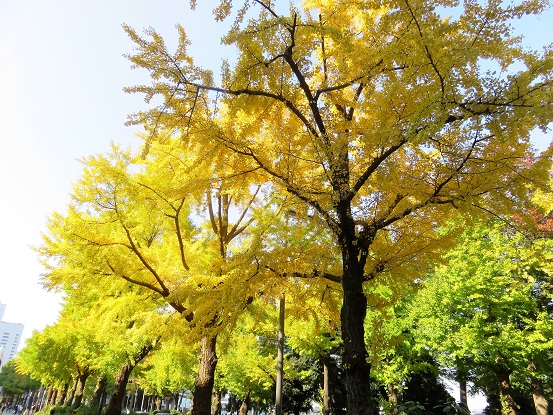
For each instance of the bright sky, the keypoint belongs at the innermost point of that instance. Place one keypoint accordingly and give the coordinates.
(62, 72)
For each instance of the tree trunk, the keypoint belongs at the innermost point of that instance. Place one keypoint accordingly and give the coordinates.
(326, 392)
(71, 394)
(508, 404)
(463, 391)
(203, 384)
(99, 390)
(79, 392)
(217, 406)
(62, 393)
(540, 400)
(393, 397)
(244, 406)
(51, 397)
(115, 404)
(355, 357)
(232, 404)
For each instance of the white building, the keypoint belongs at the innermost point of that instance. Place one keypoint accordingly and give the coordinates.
(10, 336)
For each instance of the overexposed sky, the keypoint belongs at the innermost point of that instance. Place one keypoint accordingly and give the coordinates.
(62, 72)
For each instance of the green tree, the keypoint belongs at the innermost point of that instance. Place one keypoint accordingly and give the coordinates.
(382, 119)
(301, 384)
(14, 383)
(485, 307)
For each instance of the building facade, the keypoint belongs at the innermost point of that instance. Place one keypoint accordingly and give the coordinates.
(10, 336)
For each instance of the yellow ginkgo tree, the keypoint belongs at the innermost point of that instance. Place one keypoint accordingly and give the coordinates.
(162, 222)
(381, 118)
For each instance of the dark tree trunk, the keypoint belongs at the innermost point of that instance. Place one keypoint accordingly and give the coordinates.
(99, 390)
(79, 392)
(354, 309)
(463, 391)
(115, 404)
(203, 384)
(122, 379)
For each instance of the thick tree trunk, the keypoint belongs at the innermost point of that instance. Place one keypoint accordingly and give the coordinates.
(355, 356)
(540, 400)
(79, 392)
(99, 390)
(508, 404)
(116, 401)
(203, 384)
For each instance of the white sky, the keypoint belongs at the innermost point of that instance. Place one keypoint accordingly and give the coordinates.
(62, 72)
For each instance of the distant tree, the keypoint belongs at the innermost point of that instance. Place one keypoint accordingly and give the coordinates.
(15, 383)
(301, 386)
(489, 305)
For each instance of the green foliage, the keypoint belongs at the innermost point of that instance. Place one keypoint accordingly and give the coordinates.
(88, 410)
(15, 383)
(453, 407)
(59, 410)
(302, 382)
(488, 307)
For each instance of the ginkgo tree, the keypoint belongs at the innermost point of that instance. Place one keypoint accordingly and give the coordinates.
(490, 306)
(381, 119)
(139, 219)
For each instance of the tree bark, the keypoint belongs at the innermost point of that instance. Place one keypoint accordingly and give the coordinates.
(62, 393)
(540, 400)
(217, 406)
(354, 309)
(326, 392)
(244, 406)
(52, 394)
(508, 404)
(116, 401)
(393, 397)
(463, 392)
(99, 390)
(203, 384)
(79, 392)
(71, 394)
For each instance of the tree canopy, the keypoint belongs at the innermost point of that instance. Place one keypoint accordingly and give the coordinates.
(380, 121)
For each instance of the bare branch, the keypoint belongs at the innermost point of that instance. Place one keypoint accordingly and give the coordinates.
(235, 231)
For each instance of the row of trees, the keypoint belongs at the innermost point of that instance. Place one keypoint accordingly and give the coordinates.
(328, 167)
(483, 317)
